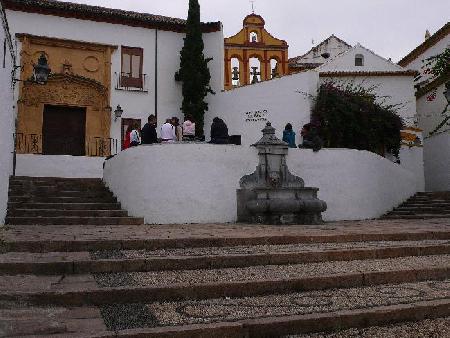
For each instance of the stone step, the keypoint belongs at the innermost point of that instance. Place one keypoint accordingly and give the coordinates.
(23, 321)
(51, 199)
(65, 213)
(415, 216)
(51, 263)
(436, 327)
(66, 220)
(53, 179)
(419, 205)
(98, 289)
(35, 238)
(65, 206)
(63, 193)
(283, 315)
(430, 209)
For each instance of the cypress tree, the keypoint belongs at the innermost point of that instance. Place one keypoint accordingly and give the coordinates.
(194, 72)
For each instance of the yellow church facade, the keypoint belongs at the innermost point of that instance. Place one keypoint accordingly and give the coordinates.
(254, 55)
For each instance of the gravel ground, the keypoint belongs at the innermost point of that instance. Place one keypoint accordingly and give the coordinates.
(215, 310)
(256, 249)
(127, 316)
(268, 272)
(430, 328)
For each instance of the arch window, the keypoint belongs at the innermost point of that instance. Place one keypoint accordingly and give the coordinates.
(359, 60)
(255, 70)
(274, 69)
(235, 72)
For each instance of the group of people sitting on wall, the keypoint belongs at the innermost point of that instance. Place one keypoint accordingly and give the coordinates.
(171, 131)
(310, 137)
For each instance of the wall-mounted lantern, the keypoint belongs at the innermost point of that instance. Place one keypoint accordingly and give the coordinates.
(118, 112)
(41, 71)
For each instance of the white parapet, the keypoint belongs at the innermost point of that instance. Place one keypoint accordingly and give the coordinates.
(196, 183)
(59, 166)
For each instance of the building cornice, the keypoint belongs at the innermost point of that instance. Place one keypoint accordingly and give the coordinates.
(57, 42)
(432, 85)
(102, 14)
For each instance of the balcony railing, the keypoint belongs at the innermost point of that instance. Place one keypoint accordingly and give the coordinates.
(124, 81)
(93, 146)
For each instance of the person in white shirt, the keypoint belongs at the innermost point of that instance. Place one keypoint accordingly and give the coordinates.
(135, 137)
(168, 132)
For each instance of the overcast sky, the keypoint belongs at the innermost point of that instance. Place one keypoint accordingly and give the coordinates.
(391, 28)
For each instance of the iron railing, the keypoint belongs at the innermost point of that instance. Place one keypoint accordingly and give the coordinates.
(93, 146)
(124, 81)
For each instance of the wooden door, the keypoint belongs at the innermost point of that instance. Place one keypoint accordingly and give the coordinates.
(64, 131)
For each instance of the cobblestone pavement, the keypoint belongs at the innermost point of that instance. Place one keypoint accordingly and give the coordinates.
(429, 328)
(214, 310)
(268, 272)
(258, 249)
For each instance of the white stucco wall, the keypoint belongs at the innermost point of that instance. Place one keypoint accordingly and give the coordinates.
(280, 100)
(196, 183)
(430, 111)
(332, 45)
(418, 64)
(390, 90)
(59, 166)
(135, 104)
(346, 62)
(437, 162)
(7, 112)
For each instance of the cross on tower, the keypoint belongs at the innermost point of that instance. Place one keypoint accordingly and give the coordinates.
(253, 6)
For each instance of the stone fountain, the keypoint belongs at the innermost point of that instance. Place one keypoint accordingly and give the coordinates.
(272, 195)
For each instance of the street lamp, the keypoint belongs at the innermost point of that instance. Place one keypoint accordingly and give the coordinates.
(41, 71)
(118, 112)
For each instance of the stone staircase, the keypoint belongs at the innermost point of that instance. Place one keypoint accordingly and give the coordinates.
(58, 201)
(126, 279)
(423, 205)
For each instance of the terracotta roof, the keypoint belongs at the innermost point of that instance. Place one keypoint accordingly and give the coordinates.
(297, 58)
(430, 42)
(368, 73)
(102, 14)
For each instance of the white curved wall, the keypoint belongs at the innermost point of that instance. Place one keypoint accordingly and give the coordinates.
(437, 162)
(196, 183)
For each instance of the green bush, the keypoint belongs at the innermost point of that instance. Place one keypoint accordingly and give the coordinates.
(350, 117)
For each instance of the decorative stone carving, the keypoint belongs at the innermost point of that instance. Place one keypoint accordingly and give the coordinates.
(272, 195)
(91, 64)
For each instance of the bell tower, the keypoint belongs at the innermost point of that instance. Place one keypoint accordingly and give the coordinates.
(254, 55)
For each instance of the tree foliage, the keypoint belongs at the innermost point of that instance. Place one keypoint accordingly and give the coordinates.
(194, 72)
(351, 117)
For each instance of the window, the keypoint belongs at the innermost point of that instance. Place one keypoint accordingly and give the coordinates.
(253, 37)
(131, 75)
(359, 60)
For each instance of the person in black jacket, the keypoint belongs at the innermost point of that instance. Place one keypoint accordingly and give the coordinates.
(148, 132)
(219, 132)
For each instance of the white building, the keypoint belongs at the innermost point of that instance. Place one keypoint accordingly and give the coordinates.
(117, 57)
(318, 55)
(431, 108)
(7, 59)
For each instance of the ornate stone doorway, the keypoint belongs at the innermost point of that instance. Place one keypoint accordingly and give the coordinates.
(64, 130)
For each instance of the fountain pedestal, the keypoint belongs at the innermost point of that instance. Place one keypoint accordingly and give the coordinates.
(272, 195)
